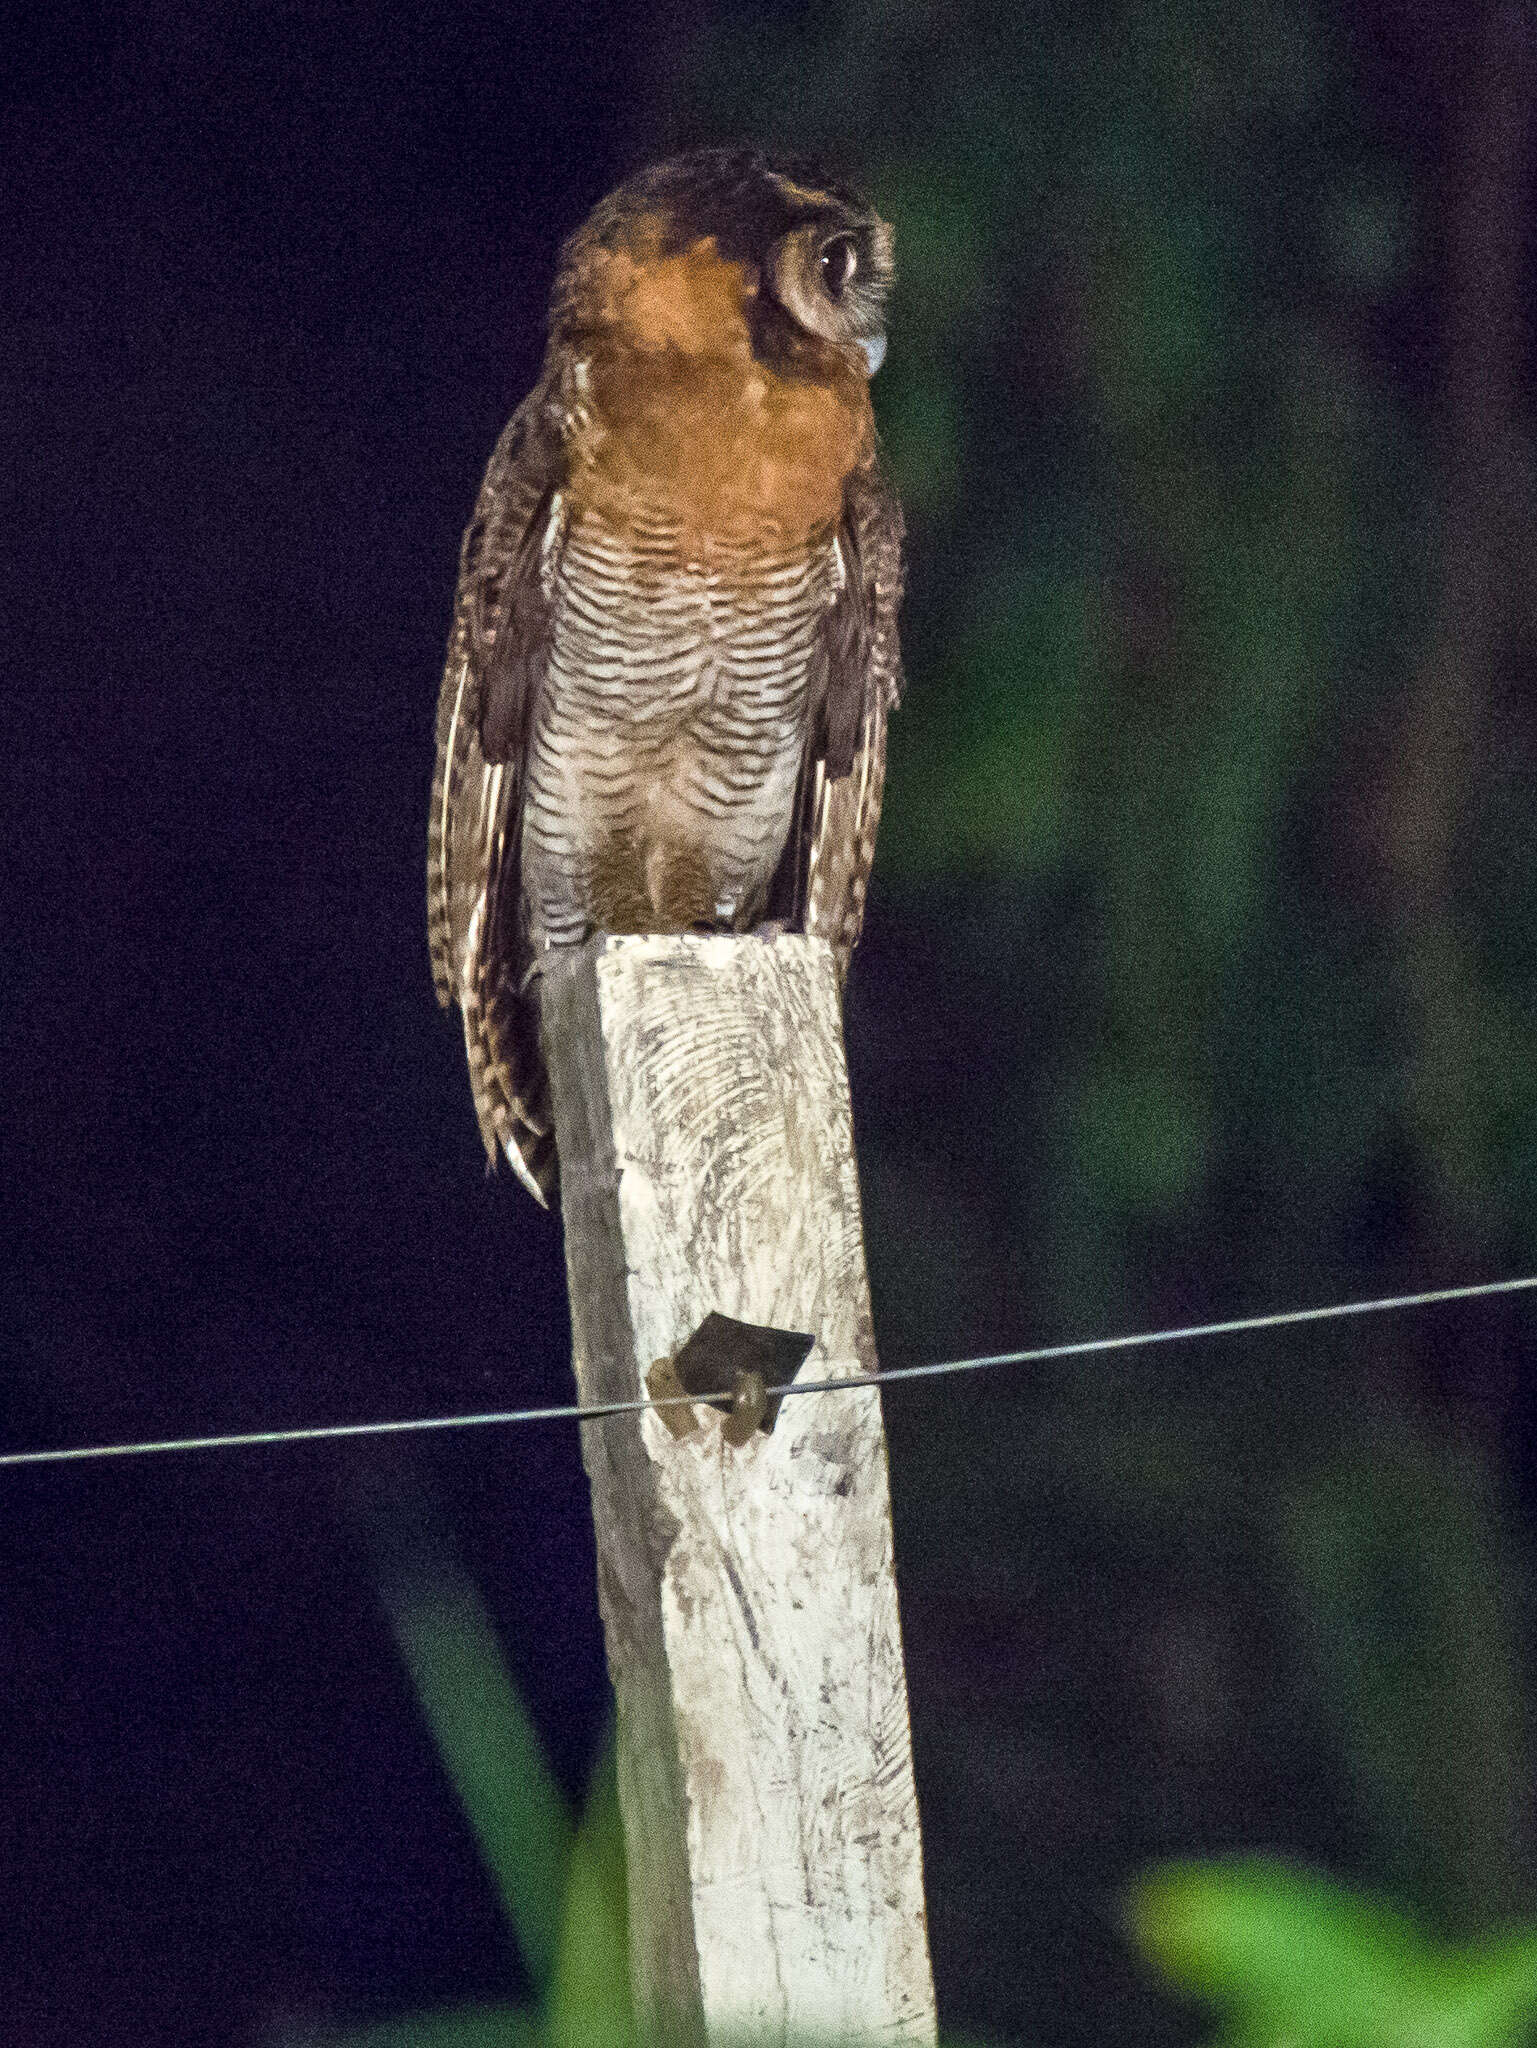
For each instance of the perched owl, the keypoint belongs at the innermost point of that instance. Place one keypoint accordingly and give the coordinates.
(674, 639)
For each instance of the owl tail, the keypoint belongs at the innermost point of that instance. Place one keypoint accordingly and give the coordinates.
(509, 1082)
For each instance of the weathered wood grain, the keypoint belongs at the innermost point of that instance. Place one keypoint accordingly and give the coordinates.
(748, 1595)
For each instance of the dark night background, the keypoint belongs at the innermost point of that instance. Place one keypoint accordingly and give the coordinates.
(1198, 978)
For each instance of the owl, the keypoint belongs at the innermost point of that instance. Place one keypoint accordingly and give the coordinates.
(674, 636)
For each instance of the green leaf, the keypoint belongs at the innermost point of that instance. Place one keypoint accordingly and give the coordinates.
(488, 1744)
(1260, 1936)
(1290, 1957)
(589, 2000)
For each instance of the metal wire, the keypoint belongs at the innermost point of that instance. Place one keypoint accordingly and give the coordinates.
(1039, 1354)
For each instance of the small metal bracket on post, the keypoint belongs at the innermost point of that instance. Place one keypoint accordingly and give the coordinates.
(734, 1366)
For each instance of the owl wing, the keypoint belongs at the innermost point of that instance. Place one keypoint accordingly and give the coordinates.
(497, 652)
(821, 884)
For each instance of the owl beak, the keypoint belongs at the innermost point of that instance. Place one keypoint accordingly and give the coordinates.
(873, 348)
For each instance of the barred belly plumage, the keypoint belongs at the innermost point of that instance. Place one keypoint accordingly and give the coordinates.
(669, 735)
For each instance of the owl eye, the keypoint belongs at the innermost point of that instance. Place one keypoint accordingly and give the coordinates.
(839, 259)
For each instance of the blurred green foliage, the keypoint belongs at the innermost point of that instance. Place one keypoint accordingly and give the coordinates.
(488, 1745)
(1174, 555)
(562, 1886)
(1294, 1961)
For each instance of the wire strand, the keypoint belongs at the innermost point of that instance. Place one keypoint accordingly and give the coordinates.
(573, 1411)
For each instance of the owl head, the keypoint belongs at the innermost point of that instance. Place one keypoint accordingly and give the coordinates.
(685, 250)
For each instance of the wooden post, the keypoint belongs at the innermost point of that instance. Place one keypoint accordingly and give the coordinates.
(748, 1594)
